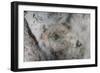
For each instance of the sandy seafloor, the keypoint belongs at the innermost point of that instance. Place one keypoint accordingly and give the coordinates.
(56, 36)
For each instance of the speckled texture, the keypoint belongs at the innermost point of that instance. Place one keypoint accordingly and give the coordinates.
(56, 36)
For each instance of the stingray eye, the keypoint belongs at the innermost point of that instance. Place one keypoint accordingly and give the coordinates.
(56, 36)
(78, 44)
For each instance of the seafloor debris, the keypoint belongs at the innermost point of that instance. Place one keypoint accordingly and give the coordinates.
(56, 36)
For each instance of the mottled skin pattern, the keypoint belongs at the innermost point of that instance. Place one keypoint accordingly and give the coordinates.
(62, 42)
(56, 36)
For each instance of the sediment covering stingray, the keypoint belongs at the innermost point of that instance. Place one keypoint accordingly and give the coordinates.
(56, 36)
